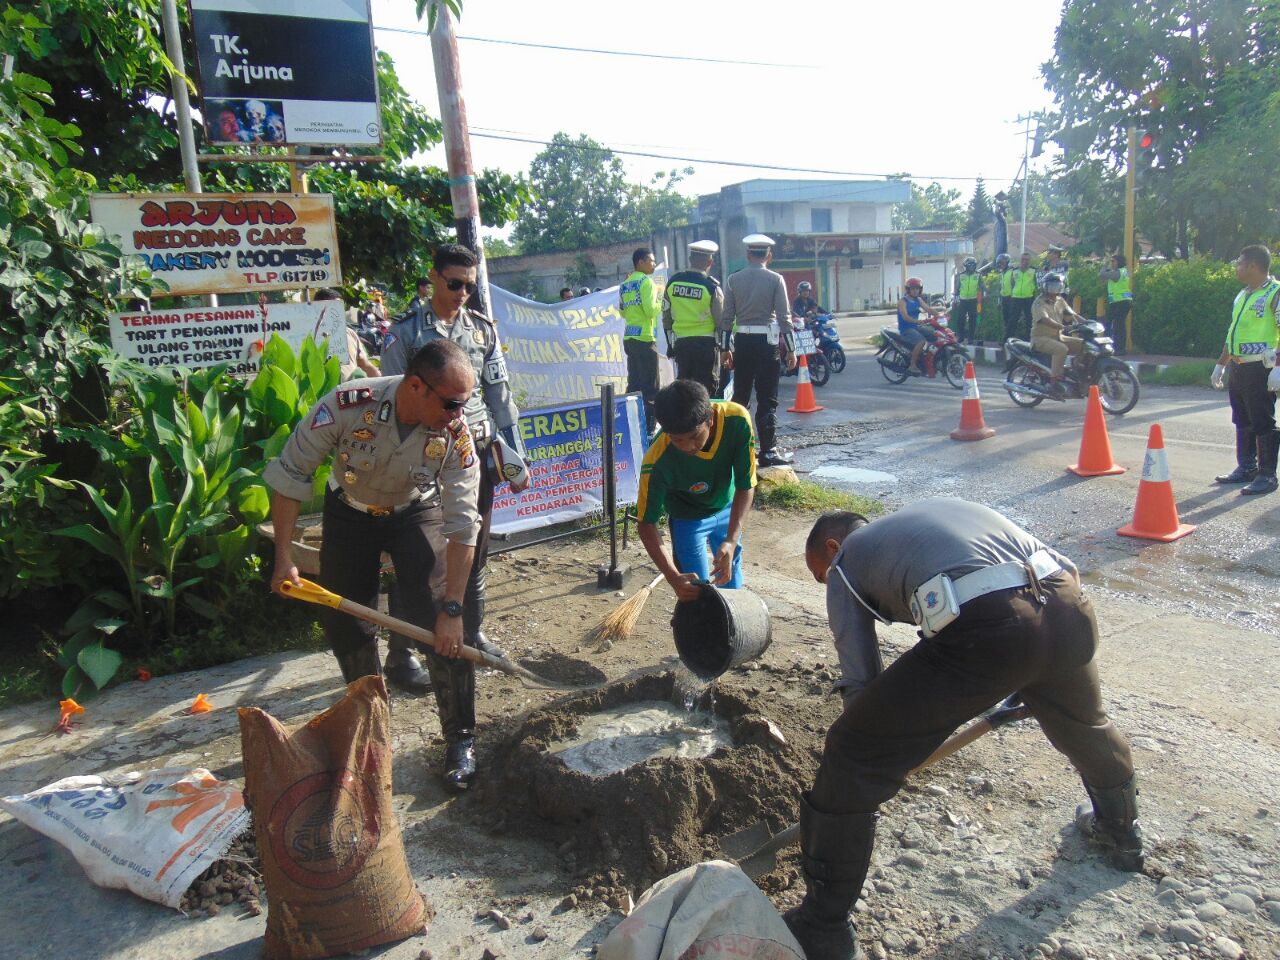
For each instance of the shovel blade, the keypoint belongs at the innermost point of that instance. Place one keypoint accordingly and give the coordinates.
(745, 843)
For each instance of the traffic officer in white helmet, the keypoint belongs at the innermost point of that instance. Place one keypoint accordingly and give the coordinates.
(698, 339)
(755, 306)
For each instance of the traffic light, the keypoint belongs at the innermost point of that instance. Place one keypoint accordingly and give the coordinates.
(1145, 153)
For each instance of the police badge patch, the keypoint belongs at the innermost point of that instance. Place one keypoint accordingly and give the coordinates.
(364, 433)
(434, 450)
(462, 443)
(367, 417)
(323, 417)
(384, 411)
(354, 397)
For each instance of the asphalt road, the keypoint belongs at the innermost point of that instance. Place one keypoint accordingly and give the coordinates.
(1228, 567)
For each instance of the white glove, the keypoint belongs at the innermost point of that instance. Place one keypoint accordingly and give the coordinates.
(1218, 379)
(1273, 380)
(1269, 358)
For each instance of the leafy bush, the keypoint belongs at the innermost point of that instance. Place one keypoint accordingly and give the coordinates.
(1086, 285)
(1183, 307)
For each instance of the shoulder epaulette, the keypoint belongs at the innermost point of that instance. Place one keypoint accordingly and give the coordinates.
(354, 397)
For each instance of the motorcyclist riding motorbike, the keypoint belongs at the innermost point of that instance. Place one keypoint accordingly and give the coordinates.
(1050, 316)
(805, 307)
(916, 334)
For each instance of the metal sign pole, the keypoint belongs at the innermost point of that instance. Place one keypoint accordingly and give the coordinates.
(609, 577)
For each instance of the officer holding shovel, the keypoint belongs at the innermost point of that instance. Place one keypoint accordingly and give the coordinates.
(999, 612)
(390, 438)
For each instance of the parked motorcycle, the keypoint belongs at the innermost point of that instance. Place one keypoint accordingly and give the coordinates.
(944, 352)
(1028, 374)
(828, 341)
(372, 331)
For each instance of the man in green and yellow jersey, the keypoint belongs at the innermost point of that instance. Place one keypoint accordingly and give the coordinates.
(701, 471)
(639, 305)
(1250, 356)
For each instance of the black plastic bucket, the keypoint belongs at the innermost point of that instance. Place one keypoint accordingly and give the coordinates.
(720, 630)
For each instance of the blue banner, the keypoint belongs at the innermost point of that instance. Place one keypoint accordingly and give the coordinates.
(565, 454)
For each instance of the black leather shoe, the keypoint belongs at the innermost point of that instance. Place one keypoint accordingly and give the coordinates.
(485, 645)
(774, 458)
(1262, 483)
(1238, 475)
(460, 762)
(404, 672)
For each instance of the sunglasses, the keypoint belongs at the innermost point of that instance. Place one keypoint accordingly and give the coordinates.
(454, 285)
(445, 402)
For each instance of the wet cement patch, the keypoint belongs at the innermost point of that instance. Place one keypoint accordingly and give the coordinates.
(619, 738)
(659, 815)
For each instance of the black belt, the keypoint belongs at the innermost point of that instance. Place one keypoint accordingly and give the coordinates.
(369, 508)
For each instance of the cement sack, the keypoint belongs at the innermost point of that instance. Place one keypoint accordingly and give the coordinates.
(708, 910)
(332, 857)
(152, 833)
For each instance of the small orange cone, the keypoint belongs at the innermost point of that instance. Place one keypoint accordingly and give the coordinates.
(972, 425)
(201, 704)
(805, 401)
(1155, 515)
(1095, 444)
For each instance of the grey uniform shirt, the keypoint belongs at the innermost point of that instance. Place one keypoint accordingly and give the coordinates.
(886, 561)
(374, 464)
(490, 407)
(756, 297)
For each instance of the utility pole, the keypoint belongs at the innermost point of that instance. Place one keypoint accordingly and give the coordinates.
(457, 145)
(186, 139)
(1130, 229)
(182, 105)
(1026, 173)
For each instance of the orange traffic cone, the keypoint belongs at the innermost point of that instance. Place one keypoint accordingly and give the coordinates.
(972, 425)
(1155, 515)
(1095, 445)
(805, 401)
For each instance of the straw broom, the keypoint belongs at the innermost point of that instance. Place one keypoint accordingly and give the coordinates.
(618, 624)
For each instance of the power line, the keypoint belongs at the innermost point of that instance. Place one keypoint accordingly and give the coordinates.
(722, 163)
(608, 53)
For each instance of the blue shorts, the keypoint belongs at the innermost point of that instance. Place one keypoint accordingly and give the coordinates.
(912, 335)
(695, 541)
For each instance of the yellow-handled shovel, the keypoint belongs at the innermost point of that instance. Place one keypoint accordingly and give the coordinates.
(314, 593)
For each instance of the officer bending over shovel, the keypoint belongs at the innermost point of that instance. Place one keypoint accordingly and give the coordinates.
(999, 612)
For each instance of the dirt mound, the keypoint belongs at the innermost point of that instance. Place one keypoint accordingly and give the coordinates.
(640, 824)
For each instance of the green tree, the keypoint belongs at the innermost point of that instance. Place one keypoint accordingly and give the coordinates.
(980, 213)
(1203, 80)
(582, 198)
(932, 207)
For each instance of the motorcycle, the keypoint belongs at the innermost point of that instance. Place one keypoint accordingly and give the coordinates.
(827, 338)
(372, 331)
(944, 352)
(1028, 374)
(819, 365)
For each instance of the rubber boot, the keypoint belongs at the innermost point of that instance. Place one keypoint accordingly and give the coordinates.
(404, 671)
(360, 662)
(1112, 823)
(454, 682)
(473, 617)
(835, 853)
(1246, 459)
(1265, 481)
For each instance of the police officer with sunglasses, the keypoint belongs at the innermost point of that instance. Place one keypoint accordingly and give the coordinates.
(490, 411)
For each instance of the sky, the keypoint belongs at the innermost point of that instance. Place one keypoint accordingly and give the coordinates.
(928, 87)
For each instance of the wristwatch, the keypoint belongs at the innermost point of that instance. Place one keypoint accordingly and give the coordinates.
(453, 608)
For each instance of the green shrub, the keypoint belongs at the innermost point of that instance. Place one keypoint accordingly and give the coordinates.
(1183, 307)
(1088, 287)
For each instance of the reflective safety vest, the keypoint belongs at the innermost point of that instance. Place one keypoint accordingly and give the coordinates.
(1118, 290)
(1024, 283)
(1006, 284)
(1253, 321)
(969, 284)
(638, 301)
(691, 294)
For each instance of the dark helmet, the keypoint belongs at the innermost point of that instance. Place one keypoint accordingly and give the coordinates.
(1003, 258)
(805, 286)
(1053, 283)
(970, 264)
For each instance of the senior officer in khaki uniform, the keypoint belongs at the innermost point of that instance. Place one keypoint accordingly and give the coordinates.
(391, 437)
(693, 319)
(756, 308)
(490, 411)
